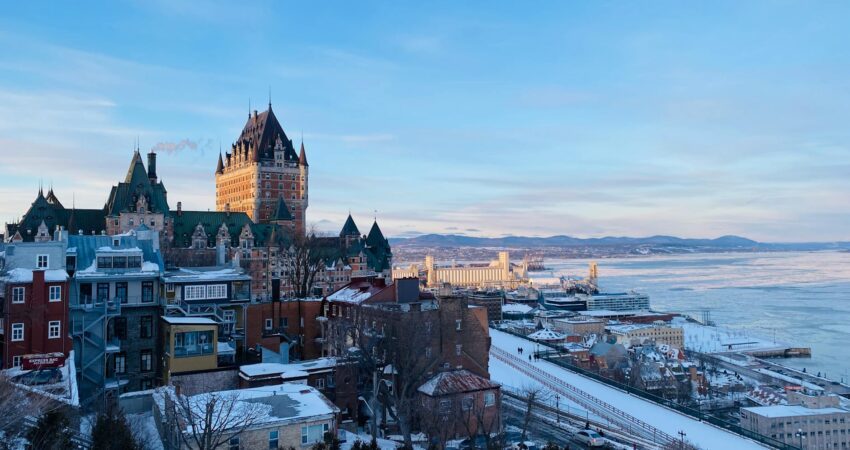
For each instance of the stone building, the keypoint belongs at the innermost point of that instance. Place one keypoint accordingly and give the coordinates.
(809, 420)
(657, 333)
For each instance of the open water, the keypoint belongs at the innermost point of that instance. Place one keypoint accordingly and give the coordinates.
(802, 298)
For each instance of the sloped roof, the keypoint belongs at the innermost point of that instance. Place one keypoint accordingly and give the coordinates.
(185, 222)
(262, 131)
(88, 246)
(349, 228)
(53, 214)
(136, 184)
(281, 212)
(454, 382)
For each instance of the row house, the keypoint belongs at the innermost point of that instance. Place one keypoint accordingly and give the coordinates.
(33, 301)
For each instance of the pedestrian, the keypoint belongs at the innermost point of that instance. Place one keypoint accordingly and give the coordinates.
(529, 357)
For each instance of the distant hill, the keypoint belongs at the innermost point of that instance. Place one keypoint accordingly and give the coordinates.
(455, 240)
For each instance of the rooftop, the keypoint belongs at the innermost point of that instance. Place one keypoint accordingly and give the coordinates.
(454, 382)
(205, 274)
(792, 411)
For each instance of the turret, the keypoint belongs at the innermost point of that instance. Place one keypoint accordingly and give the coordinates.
(220, 167)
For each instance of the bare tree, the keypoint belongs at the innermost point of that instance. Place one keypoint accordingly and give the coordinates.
(531, 395)
(408, 366)
(207, 421)
(479, 419)
(17, 405)
(307, 253)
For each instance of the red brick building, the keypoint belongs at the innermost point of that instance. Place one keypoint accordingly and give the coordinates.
(34, 314)
(286, 324)
(458, 404)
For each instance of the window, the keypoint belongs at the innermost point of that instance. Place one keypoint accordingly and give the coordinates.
(42, 261)
(17, 332)
(54, 329)
(320, 383)
(445, 406)
(146, 383)
(120, 363)
(146, 327)
(121, 291)
(193, 343)
(169, 287)
(119, 328)
(458, 324)
(427, 352)
(134, 262)
(194, 292)
(217, 291)
(489, 398)
(268, 324)
(16, 361)
(467, 403)
(119, 262)
(284, 322)
(312, 434)
(273, 440)
(102, 292)
(55, 294)
(116, 242)
(147, 291)
(458, 349)
(146, 360)
(18, 294)
(104, 262)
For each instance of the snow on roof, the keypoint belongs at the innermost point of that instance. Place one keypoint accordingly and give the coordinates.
(547, 335)
(200, 274)
(456, 381)
(188, 320)
(284, 402)
(25, 276)
(106, 249)
(350, 295)
(518, 308)
(273, 369)
(792, 411)
(224, 348)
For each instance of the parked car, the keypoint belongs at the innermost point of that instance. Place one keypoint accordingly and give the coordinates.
(590, 438)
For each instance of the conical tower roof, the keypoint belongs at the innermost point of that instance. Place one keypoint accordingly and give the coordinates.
(349, 228)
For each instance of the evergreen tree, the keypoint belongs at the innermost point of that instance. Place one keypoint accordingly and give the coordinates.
(111, 432)
(51, 432)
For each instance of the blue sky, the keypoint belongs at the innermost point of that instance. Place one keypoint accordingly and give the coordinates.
(580, 118)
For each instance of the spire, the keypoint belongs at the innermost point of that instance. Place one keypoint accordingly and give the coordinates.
(220, 167)
(375, 237)
(40, 189)
(302, 156)
(270, 97)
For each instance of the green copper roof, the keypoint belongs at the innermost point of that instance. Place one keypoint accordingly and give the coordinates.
(124, 196)
(184, 223)
(349, 228)
(281, 212)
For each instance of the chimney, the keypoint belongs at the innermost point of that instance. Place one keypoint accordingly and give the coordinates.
(179, 208)
(152, 166)
(255, 114)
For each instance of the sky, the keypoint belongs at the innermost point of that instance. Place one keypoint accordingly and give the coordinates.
(478, 118)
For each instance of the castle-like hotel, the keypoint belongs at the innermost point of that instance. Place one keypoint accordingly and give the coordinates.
(262, 192)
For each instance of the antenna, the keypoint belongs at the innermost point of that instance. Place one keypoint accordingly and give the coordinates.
(270, 96)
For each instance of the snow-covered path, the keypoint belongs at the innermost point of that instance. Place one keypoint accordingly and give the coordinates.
(652, 415)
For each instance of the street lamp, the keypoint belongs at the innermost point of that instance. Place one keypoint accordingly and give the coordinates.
(801, 435)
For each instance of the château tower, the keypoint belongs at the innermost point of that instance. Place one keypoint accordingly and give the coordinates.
(263, 176)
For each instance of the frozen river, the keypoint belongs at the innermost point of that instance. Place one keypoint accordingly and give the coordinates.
(799, 297)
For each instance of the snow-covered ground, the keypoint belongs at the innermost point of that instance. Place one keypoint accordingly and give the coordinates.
(707, 339)
(668, 421)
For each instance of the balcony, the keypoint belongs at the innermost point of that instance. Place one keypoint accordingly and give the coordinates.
(108, 307)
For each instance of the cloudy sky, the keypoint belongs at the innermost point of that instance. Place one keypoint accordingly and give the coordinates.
(580, 118)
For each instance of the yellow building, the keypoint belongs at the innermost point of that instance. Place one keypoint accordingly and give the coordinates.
(639, 334)
(189, 345)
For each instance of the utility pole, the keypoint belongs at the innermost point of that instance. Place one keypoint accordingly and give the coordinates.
(682, 434)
